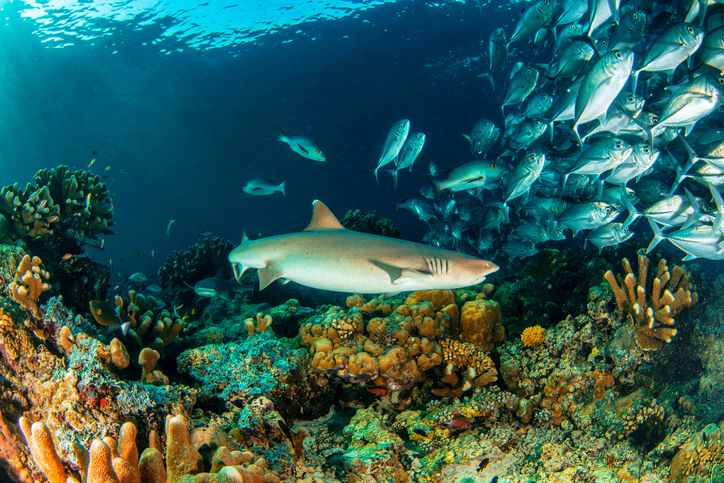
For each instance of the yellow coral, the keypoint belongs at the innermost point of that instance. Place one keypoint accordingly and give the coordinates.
(478, 368)
(670, 293)
(28, 285)
(481, 323)
(533, 336)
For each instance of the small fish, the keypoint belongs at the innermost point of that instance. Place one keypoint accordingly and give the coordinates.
(153, 253)
(458, 423)
(393, 144)
(138, 277)
(534, 18)
(538, 105)
(303, 146)
(216, 287)
(470, 176)
(410, 151)
(104, 313)
(574, 57)
(88, 201)
(525, 173)
(521, 85)
(168, 226)
(600, 156)
(67, 256)
(264, 187)
(92, 162)
(483, 136)
(631, 29)
(498, 54)
(601, 85)
(641, 159)
(154, 288)
(378, 391)
(418, 207)
(587, 216)
(107, 168)
(685, 108)
(676, 44)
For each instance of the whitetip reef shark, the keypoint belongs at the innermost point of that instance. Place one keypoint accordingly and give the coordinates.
(328, 256)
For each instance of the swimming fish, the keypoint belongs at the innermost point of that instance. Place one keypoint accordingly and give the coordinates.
(393, 144)
(327, 256)
(470, 176)
(168, 226)
(104, 313)
(263, 187)
(303, 146)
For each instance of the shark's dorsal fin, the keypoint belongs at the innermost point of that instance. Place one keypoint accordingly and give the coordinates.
(323, 218)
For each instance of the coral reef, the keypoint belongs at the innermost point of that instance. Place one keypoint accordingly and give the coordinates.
(70, 203)
(416, 387)
(203, 259)
(29, 284)
(654, 308)
(369, 223)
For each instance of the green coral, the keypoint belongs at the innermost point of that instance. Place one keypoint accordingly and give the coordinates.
(201, 260)
(358, 220)
(71, 202)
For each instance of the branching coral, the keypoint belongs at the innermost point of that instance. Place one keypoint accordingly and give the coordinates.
(201, 260)
(31, 211)
(670, 292)
(701, 456)
(76, 202)
(29, 283)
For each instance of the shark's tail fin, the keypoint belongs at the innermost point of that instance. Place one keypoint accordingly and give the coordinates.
(658, 236)
(282, 187)
(281, 136)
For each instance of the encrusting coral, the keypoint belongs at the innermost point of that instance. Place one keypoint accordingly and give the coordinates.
(653, 309)
(29, 283)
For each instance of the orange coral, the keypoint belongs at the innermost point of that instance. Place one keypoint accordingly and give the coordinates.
(28, 285)
(670, 293)
(533, 336)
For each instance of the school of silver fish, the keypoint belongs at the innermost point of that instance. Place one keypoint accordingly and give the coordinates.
(612, 115)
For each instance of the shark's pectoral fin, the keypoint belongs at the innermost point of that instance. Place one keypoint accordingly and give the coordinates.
(411, 275)
(267, 275)
(393, 272)
(239, 270)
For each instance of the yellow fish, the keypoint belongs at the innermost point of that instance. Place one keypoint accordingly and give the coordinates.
(92, 162)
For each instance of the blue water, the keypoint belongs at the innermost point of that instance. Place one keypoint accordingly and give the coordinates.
(179, 106)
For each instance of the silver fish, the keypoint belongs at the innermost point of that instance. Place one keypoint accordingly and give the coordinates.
(571, 11)
(538, 105)
(535, 17)
(410, 151)
(610, 234)
(574, 57)
(687, 106)
(519, 249)
(522, 177)
(483, 136)
(587, 216)
(641, 159)
(419, 207)
(303, 146)
(631, 29)
(521, 85)
(675, 44)
(601, 10)
(498, 54)
(600, 156)
(393, 144)
(601, 85)
(526, 133)
(711, 52)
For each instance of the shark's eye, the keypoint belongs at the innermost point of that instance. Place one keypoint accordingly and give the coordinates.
(319, 151)
(493, 165)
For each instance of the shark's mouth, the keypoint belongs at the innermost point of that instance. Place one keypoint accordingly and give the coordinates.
(239, 270)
